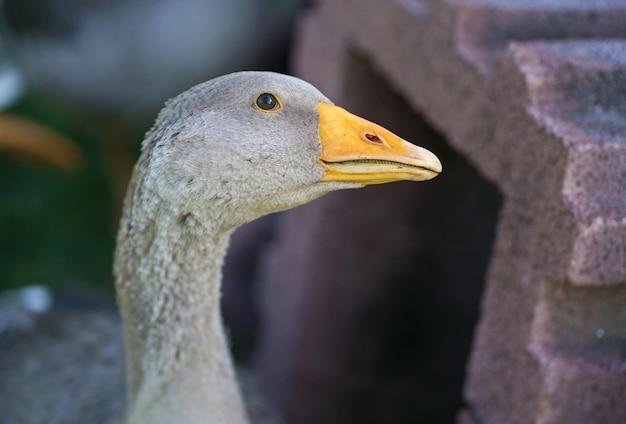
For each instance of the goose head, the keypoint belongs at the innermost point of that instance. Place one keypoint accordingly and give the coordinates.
(251, 143)
(219, 155)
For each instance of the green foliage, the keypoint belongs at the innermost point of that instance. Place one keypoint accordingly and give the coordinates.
(56, 228)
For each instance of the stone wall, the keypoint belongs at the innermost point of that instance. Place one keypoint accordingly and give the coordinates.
(374, 293)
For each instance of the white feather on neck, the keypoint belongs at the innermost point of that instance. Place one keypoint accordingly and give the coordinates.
(168, 268)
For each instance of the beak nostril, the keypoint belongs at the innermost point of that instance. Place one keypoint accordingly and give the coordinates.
(374, 138)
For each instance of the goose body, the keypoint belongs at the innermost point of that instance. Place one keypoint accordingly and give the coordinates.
(219, 155)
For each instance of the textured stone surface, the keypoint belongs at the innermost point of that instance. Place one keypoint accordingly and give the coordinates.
(533, 94)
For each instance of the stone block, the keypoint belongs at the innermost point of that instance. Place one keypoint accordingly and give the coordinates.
(532, 94)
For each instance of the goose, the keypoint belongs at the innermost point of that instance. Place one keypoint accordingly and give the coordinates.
(219, 155)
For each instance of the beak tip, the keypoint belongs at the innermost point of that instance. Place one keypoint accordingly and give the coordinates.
(431, 161)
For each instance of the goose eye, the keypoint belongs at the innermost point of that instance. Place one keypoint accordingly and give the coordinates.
(267, 102)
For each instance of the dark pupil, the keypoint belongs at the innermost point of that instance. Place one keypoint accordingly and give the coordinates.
(266, 101)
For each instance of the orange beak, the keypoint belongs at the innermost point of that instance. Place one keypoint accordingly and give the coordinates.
(359, 151)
